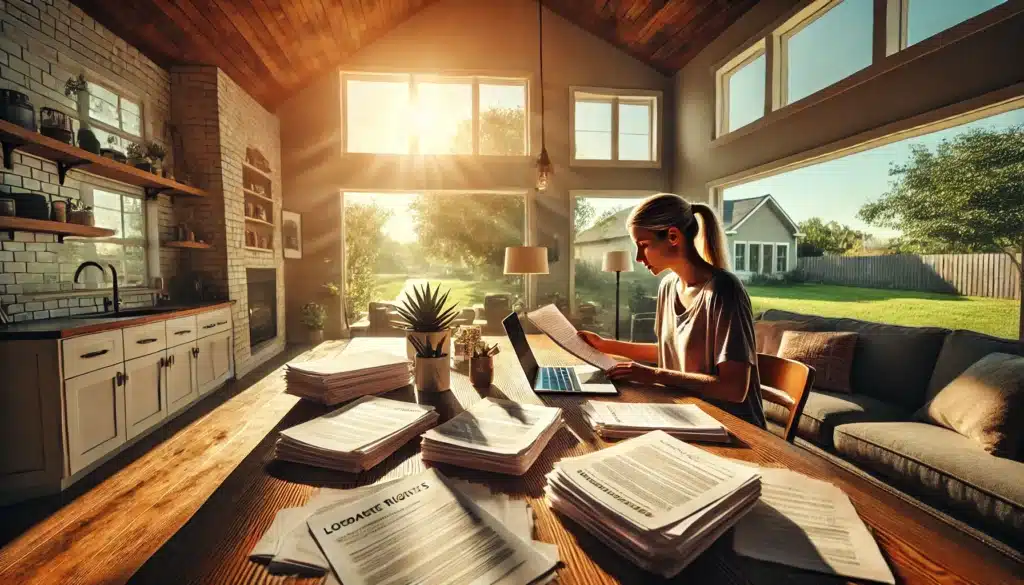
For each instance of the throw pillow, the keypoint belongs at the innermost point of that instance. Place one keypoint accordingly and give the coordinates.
(829, 353)
(768, 334)
(985, 403)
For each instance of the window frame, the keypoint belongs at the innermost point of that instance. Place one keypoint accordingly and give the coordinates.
(722, 76)
(780, 246)
(82, 102)
(413, 79)
(87, 197)
(615, 97)
(735, 249)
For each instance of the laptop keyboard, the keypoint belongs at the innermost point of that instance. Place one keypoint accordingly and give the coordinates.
(558, 379)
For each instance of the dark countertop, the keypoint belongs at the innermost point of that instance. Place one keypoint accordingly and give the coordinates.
(82, 324)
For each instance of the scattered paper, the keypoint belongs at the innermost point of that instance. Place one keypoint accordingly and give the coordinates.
(809, 524)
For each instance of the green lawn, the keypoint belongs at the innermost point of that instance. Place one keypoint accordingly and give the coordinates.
(464, 292)
(997, 317)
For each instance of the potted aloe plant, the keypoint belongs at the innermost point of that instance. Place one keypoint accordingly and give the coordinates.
(424, 316)
(314, 316)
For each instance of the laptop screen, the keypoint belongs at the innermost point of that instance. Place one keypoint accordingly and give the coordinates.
(514, 330)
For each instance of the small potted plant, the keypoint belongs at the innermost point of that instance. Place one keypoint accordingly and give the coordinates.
(431, 371)
(86, 137)
(80, 213)
(314, 315)
(424, 316)
(112, 152)
(137, 157)
(155, 153)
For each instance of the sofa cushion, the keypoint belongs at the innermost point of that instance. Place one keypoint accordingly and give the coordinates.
(768, 334)
(830, 353)
(929, 460)
(814, 322)
(985, 403)
(960, 350)
(824, 411)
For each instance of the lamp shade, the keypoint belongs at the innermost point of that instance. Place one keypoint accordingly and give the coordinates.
(526, 260)
(617, 261)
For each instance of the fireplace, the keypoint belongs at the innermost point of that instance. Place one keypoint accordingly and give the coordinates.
(262, 285)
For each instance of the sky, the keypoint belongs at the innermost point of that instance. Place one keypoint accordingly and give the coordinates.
(829, 49)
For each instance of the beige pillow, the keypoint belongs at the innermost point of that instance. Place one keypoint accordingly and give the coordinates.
(768, 334)
(829, 353)
(985, 403)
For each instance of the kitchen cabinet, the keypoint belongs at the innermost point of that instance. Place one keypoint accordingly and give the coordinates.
(214, 357)
(144, 402)
(95, 415)
(180, 385)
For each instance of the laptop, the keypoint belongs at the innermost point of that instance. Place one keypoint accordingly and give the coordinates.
(551, 379)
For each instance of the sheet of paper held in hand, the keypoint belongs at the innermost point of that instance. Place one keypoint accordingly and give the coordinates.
(655, 480)
(421, 530)
(809, 524)
(553, 323)
(359, 424)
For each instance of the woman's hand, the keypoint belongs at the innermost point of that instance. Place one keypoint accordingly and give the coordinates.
(592, 339)
(634, 373)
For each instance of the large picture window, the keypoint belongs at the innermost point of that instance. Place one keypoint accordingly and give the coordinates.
(921, 231)
(125, 250)
(611, 127)
(116, 120)
(435, 115)
(828, 46)
(395, 241)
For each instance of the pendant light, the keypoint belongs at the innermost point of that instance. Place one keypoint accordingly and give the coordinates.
(544, 167)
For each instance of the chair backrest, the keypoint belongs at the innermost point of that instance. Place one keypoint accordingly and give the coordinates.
(786, 383)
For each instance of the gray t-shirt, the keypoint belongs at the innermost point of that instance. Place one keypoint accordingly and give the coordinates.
(718, 327)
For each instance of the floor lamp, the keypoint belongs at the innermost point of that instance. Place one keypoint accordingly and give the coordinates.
(526, 260)
(618, 262)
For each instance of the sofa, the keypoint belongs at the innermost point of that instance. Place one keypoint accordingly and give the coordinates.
(895, 371)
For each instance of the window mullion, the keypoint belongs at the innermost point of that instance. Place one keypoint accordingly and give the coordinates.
(414, 136)
(615, 128)
(476, 116)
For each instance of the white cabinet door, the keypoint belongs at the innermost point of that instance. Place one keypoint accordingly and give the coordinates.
(144, 401)
(95, 415)
(214, 362)
(180, 381)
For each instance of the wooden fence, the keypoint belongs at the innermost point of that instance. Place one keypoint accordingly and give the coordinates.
(976, 275)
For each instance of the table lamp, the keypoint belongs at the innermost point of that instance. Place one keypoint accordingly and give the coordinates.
(617, 261)
(526, 260)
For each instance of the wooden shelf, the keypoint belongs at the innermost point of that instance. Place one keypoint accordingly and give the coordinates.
(257, 195)
(58, 228)
(189, 245)
(67, 157)
(259, 221)
(258, 249)
(258, 171)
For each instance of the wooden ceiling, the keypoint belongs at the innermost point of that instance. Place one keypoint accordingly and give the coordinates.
(274, 47)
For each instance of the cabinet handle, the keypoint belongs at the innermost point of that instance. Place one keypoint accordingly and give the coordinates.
(119, 379)
(185, 332)
(210, 326)
(170, 361)
(93, 354)
(163, 363)
(195, 352)
(147, 340)
(222, 322)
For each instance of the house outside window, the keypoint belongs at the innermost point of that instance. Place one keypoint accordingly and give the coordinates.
(615, 127)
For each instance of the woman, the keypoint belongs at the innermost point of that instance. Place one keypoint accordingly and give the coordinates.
(704, 321)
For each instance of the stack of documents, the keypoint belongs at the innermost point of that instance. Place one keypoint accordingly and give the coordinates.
(494, 435)
(334, 380)
(357, 436)
(424, 528)
(654, 499)
(809, 524)
(621, 420)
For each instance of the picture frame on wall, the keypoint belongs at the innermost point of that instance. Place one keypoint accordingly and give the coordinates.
(291, 234)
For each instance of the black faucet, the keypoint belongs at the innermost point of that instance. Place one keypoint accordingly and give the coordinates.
(113, 272)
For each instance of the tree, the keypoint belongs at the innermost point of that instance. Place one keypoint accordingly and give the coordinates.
(966, 197)
(502, 132)
(822, 238)
(363, 225)
(584, 213)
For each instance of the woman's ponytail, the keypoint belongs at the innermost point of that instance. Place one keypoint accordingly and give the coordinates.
(712, 245)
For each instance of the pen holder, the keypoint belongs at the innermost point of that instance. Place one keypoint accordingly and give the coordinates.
(481, 371)
(433, 374)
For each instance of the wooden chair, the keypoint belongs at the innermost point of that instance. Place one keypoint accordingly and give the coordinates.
(786, 383)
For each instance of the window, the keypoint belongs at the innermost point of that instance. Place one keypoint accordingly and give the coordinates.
(781, 258)
(878, 245)
(125, 250)
(114, 119)
(740, 256)
(926, 18)
(394, 241)
(599, 226)
(826, 47)
(755, 256)
(616, 127)
(742, 90)
(434, 115)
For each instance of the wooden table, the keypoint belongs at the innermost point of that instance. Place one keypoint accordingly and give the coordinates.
(213, 546)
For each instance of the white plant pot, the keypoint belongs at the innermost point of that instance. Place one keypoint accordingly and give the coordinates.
(433, 374)
(433, 337)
